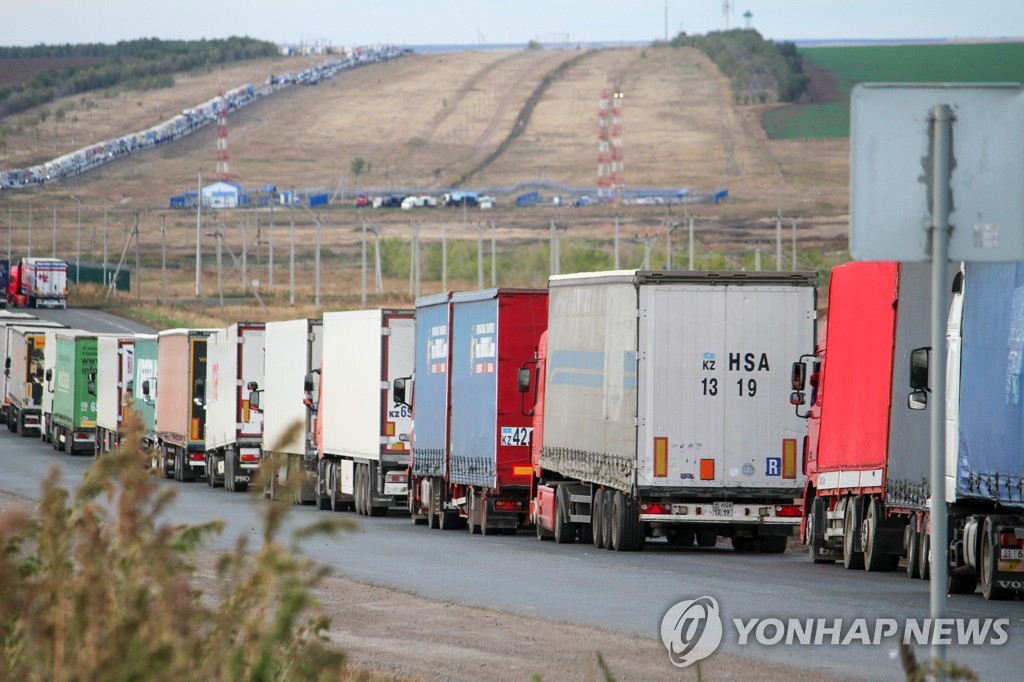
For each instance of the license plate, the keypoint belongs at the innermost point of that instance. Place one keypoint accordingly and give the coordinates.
(721, 509)
(1011, 554)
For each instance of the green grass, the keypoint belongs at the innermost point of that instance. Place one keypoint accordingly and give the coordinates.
(966, 63)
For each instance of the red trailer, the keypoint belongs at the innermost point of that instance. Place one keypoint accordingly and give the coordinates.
(472, 466)
(858, 454)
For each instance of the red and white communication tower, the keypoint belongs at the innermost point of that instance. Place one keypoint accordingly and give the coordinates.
(222, 137)
(609, 147)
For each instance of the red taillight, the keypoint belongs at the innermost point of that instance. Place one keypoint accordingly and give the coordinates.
(655, 508)
(395, 477)
(508, 505)
(788, 510)
(196, 457)
(249, 458)
(697, 510)
(1009, 540)
(81, 436)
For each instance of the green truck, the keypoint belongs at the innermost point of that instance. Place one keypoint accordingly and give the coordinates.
(73, 382)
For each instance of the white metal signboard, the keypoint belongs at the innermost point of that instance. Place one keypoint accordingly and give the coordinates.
(891, 167)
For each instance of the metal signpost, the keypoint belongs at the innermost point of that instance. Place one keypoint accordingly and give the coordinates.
(935, 174)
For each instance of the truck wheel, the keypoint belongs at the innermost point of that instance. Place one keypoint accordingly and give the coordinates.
(851, 530)
(433, 521)
(597, 518)
(706, 538)
(875, 560)
(323, 501)
(607, 518)
(624, 522)
(816, 524)
(913, 551)
(357, 488)
(989, 547)
(474, 513)
(334, 495)
(924, 558)
(565, 530)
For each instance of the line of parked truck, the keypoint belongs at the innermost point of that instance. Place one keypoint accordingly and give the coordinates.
(609, 409)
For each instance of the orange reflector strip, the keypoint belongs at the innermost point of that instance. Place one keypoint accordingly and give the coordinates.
(389, 428)
(660, 457)
(789, 458)
(194, 433)
(707, 470)
(522, 471)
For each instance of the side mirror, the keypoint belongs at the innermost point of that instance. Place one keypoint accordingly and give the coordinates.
(524, 379)
(145, 388)
(49, 375)
(797, 398)
(402, 390)
(7, 363)
(310, 383)
(798, 378)
(130, 387)
(199, 392)
(919, 369)
(309, 389)
(91, 386)
(918, 400)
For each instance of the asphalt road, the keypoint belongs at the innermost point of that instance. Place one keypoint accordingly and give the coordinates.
(90, 320)
(625, 592)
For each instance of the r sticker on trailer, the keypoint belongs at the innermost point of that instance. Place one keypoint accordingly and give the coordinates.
(516, 435)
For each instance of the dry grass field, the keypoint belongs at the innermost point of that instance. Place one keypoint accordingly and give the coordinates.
(423, 122)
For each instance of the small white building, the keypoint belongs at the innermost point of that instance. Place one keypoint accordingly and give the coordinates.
(223, 194)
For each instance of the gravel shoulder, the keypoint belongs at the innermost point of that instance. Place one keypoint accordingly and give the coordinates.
(392, 634)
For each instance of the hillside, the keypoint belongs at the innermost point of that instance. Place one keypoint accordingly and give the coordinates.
(426, 120)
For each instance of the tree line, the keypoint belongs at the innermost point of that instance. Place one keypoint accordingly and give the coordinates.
(759, 70)
(141, 64)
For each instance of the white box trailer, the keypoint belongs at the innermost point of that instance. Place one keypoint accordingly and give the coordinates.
(115, 366)
(362, 437)
(7, 326)
(24, 378)
(664, 408)
(234, 431)
(295, 348)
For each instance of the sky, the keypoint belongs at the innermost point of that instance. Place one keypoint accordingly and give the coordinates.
(471, 22)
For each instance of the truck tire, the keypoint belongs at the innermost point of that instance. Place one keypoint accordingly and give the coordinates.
(706, 538)
(335, 495)
(323, 500)
(816, 523)
(874, 560)
(597, 518)
(473, 502)
(625, 524)
(433, 520)
(565, 530)
(607, 518)
(913, 551)
(852, 559)
(924, 559)
(357, 488)
(988, 563)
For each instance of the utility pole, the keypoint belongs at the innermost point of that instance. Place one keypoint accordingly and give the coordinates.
(616, 242)
(494, 256)
(691, 244)
(757, 259)
(291, 257)
(78, 250)
(163, 255)
(30, 229)
(54, 255)
(316, 277)
(270, 255)
(364, 265)
(379, 281)
(220, 279)
(104, 245)
(480, 258)
(199, 234)
(10, 229)
(778, 223)
(245, 252)
(794, 245)
(444, 254)
(138, 270)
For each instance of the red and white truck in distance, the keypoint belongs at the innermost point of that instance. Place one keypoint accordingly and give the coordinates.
(363, 440)
(655, 411)
(38, 283)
